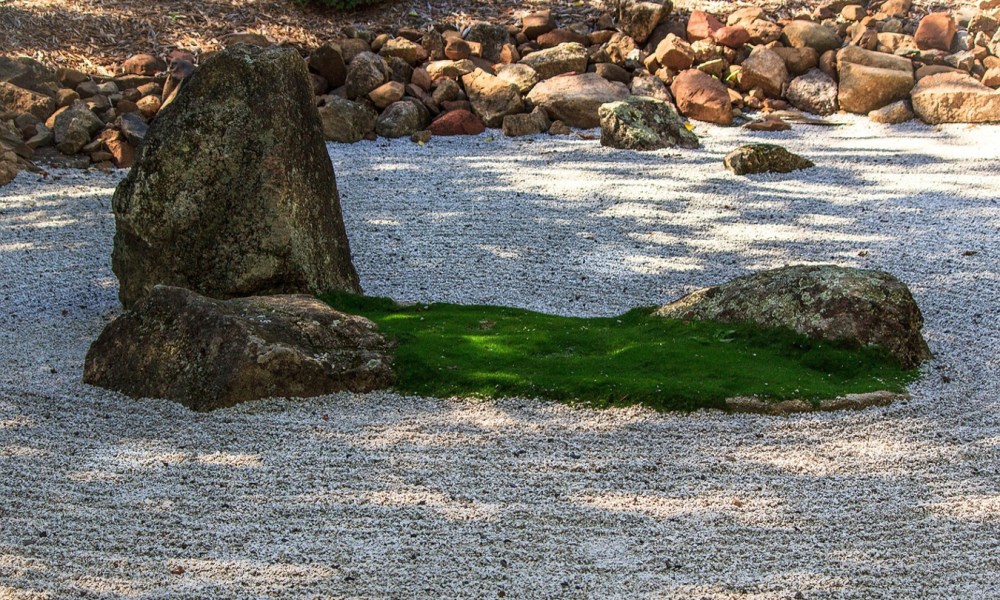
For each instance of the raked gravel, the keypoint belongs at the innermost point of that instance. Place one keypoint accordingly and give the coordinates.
(382, 496)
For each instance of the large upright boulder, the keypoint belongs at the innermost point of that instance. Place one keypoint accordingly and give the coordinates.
(821, 301)
(208, 354)
(233, 192)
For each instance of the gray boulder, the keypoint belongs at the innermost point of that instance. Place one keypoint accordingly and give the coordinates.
(814, 92)
(821, 301)
(233, 192)
(491, 36)
(208, 354)
(365, 73)
(643, 123)
(74, 127)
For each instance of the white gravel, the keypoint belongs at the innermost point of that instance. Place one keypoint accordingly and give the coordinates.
(377, 495)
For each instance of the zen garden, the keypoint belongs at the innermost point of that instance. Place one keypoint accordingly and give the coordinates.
(500, 299)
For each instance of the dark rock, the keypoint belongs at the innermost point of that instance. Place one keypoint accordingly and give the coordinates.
(492, 37)
(233, 192)
(29, 74)
(144, 64)
(642, 123)
(821, 301)
(400, 119)
(209, 354)
(365, 73)
(134, 128)
(15, 99)
(328, 62)
(764, 158)
(74, 127)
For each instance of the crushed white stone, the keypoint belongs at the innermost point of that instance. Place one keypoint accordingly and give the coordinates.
(385, 496)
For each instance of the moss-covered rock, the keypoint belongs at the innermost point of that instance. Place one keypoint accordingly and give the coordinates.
(764, 158)
(642, 123)
(233, 192)
(861, 306)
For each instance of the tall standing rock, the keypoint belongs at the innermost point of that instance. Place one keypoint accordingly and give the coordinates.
(233, 193)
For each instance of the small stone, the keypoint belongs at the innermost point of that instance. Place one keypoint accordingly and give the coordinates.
(457, 122)
(421, 137)
(814, 92)
(387, 93)
(564, 58)
(523, 124)
(641, 123)
(400, 119)
(764, 158)
(144, 64)
(892, 114)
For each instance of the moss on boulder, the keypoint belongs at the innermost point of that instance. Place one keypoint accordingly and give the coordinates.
(861, 306)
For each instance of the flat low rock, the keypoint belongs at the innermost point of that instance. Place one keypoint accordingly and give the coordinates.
(209, 354)
(575, 99)
(764, 158)
(829, 302)
(641, 123)
(955, 98)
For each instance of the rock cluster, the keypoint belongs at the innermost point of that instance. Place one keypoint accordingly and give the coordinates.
(713, 68)
(231, 206)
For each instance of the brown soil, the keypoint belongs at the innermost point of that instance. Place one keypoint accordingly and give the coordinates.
(97, 35)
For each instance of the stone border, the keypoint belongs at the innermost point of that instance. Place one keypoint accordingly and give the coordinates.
(751, 404)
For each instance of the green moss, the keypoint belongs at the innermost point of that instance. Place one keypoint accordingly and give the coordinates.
(448, 350)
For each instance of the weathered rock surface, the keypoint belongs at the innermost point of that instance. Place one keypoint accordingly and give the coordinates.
(935, 32)
(365, 73)
(20, 100)
(531, 123)
(955, 98)
(703, 97)
(233, 192)
(345, 121)
(74, 127)
(564, 58)
(806, 34)
(814, 92)
(823, 301)
(766, 70)
(638, 19)
(575, 99)
(492, 98)
(328, 62)
(892, 114)
(641, 123)
(209, 354)
(457, 122)
(28, 73)
(870, 80)
(401, 119)
(764, 158)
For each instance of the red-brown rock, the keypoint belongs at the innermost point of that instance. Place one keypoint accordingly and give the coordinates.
(703, 97)
(144, 64)
(457, 122)
(733, 36)
(935, 32)
(701, 25)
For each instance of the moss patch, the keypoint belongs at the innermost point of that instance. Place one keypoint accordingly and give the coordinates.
(448, 350)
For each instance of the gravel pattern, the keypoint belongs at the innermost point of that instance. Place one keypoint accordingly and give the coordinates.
(382, 496)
